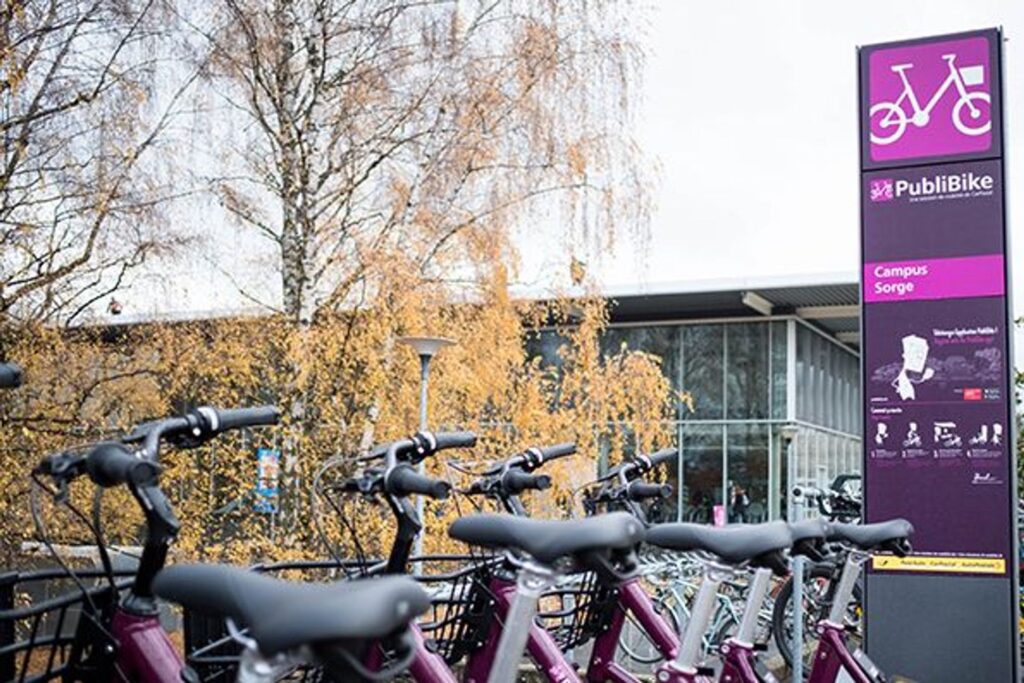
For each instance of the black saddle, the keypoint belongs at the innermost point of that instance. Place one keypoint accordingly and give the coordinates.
(893, 534)
(282, 615)
(549, 540)
(758, 544)
(809, 537)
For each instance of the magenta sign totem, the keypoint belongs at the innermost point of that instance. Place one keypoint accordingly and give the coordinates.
(936, 367)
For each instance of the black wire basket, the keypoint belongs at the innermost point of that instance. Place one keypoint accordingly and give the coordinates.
(578, 612)
(50, 629)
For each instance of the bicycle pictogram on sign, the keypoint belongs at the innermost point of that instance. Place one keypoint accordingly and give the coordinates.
(931, 99)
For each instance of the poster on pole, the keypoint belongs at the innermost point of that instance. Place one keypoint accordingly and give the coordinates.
(936, 366)
(268, 467)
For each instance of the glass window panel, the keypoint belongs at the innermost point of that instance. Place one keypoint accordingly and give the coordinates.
(545, 345)
(747, 371)
(660, 340)
(804, 375)
(703, 347)
(779, 370)
(702, 472)
(748, 473)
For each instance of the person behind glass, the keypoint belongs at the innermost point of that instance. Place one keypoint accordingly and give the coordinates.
(738, 504)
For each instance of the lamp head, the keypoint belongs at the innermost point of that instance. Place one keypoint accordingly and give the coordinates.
(426, 346)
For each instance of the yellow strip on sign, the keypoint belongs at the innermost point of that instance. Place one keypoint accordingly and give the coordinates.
(933, 563)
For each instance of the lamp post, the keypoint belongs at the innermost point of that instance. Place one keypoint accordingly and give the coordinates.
(788, 432)
(426, 348)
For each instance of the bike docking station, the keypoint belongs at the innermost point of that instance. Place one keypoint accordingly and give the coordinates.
(935, 358)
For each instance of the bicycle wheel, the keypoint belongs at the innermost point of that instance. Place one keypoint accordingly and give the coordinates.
(890, 130)
(976, 119)
(817, 582)
(634, 641)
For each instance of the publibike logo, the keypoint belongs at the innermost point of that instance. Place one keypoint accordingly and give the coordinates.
(930, 99)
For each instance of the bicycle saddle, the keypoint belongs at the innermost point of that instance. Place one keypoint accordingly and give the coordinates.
(549, 540)
(759, 544)
(868, 536)
(282, 615)
(809, 537)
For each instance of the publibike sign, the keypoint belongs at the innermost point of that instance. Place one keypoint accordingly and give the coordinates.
(936, 370)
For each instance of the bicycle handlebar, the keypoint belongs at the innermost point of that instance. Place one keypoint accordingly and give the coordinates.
(533, 457)
(516, 481)
(643, 464)
(639, 490)
(445, 440)
(239, 418)
(419, 446)
(111, 464)
(10, 375)
(403, 480)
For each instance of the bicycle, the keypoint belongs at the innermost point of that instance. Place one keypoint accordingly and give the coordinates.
(535, 554)
(724, 551)
(896, 119)
(834, 659)
(839, 503)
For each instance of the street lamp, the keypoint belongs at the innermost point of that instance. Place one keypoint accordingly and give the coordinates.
(426, 348)
(788, 433)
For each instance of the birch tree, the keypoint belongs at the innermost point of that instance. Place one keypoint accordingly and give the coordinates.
(78, 125)
(414, 134)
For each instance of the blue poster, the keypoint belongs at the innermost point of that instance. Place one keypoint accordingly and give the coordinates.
(268, 464)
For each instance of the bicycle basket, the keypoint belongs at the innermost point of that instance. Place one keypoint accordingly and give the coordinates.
(49, 630)
(972, 75)
(462, 607)
(577, 612)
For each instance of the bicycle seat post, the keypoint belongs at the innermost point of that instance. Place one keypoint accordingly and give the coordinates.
(700, 616)
(532, 580)
(756, 595)
(847, 581)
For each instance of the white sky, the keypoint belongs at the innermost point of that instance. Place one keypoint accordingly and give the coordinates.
(750, 111)
(750, 115)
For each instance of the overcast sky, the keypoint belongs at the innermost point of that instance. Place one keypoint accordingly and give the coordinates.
(749, 113)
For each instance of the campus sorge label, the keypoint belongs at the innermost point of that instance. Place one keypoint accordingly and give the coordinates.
(937, 428)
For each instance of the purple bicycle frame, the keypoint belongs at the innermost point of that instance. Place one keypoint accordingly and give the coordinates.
(145, 653)
(832, 656)
(634, 599)
(541, 647)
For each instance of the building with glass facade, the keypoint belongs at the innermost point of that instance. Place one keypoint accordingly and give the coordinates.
(773, 371)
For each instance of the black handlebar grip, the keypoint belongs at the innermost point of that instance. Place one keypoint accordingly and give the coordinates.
(10, 375)
(237, 418)
(516, 481)
(559, 450)
(445, 440)
(664, 455)
(404, 480)
(638, 490)
(110, 464)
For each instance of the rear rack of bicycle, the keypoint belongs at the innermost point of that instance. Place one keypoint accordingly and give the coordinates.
(49, 626)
